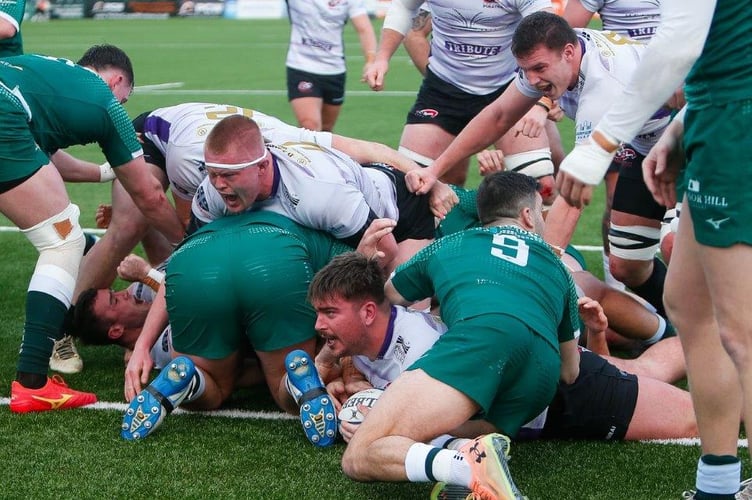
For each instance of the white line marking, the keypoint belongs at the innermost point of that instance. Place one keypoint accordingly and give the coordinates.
(228, 413)
(274, 92)
(158, 86)
(13, 229)
(276, 415)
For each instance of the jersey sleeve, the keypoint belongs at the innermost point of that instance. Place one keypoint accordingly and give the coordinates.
(569, 327)
(119, 144)
(592, 5)
(527, 7)
(357, 8)
(276, 131)
(412, 279)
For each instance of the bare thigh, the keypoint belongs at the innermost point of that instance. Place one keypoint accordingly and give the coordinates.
(308, 112)
(37, 199)
(409, 408)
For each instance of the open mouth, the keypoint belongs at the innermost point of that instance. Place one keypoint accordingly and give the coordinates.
(546, 89)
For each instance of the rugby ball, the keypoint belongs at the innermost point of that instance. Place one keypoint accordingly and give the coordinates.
(367, 398)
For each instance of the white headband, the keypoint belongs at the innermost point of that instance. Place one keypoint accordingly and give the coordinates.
(238, 166)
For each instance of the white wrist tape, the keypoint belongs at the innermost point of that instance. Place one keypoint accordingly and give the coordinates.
(587, 163)
(157, 276)
(106, 173)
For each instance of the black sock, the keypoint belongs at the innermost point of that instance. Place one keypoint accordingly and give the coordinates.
(31, 380)
(652, 289)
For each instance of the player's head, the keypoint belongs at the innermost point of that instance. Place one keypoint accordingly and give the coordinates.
(510, 195)
(103, 317)
(114, 66)
(348, 295)
(546, 50)
(236, 161)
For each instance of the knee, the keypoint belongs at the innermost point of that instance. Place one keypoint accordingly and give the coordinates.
(310, 122)
(630, 272)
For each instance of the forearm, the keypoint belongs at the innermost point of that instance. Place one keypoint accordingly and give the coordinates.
(570, 361)
(148, 195)
(367, 152)
(482, 131)
(416, 41)
(366, 36)
(155, 323)
(74, 170)
(658, 75)
(390, 42)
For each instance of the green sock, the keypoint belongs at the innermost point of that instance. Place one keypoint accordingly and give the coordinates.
(44, 320)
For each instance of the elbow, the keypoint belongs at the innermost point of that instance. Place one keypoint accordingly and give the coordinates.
(569, 375)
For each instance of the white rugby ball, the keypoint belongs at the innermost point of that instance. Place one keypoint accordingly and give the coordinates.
(367, 398)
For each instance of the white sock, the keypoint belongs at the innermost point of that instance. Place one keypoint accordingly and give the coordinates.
(449, 442)
(425, 463)
(199, 386)
(721, 479)
(442, 441)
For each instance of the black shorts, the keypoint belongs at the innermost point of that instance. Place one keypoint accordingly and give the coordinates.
(598, 405)
(6, 186)
(631, 195)
(331, 88)
(416, 221)
(443, 104)
(152, 154)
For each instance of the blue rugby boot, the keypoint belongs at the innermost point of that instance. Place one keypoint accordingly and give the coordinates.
(316, 407)
(164, 394)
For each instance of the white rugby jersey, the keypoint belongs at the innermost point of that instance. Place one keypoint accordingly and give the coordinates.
(608, 61)
(471, 40)
(316, 187)
(638, 19)
(409, 335)
(179, 133)
(316, 43)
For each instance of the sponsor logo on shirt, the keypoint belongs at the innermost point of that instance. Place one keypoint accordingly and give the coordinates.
(476, 50)
(201, 199)
(491, 4)
(291, 198)
(642, 32)
(583, 130)
(319, 44)
(625, 156)
(705, 200)
(400, 349)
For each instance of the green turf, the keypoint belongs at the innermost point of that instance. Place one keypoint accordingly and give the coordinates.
(78, 454)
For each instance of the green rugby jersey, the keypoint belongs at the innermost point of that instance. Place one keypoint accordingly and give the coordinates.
(723, 73)
(13, 9)
(495, 270)
(67, 104)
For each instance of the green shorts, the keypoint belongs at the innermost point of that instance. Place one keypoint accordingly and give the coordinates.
(19, 154)
(498, 362)
(717, 140)
(245, 285)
